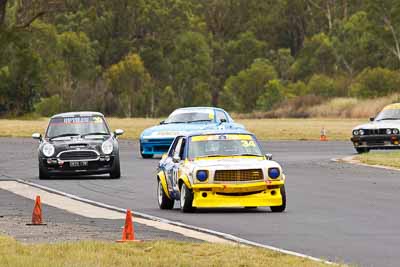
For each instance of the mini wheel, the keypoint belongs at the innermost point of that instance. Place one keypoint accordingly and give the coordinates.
(43, 173)
(116, 169)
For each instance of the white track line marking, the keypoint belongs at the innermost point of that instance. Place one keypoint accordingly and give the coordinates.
(161, 221)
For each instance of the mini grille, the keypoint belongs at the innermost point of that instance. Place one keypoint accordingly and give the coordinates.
(78, 155)
(238, 175)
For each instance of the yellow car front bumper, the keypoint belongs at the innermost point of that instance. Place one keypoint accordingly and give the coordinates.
(237, 195)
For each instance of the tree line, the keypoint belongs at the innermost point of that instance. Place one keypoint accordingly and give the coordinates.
(147, 57)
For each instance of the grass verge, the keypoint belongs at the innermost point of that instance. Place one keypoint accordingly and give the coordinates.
(390, 159)
(154, 253)
(265, 129)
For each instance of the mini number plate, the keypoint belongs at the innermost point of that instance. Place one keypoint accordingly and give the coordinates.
(75, 164)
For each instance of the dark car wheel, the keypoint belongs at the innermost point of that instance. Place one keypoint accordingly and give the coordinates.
(164, 202)
(362, 150)
(186, 199)
(43, 173)
(116, 169)
(282, 207)
(145, 156)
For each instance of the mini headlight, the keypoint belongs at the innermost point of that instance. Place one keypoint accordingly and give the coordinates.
(395, 131)
(388, 131)
(107, 147)
(361, 132)
(355, 132)
(202, 175)
(48, 150)
(274, 173)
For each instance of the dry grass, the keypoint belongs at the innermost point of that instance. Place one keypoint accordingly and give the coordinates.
(24, 128)
(132, 126)
(158, 253)
(265, 129)
(318, 107)
(337, 107)
(300, 129)
(390, 159)
(352, 107)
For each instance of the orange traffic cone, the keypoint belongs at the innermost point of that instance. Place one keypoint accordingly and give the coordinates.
(323, 135)
(128, 234)
(37, 213)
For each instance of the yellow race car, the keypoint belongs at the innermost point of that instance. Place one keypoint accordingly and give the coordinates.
(219, 169)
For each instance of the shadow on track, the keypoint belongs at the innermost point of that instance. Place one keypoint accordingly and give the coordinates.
(260, 210)
(74, 178)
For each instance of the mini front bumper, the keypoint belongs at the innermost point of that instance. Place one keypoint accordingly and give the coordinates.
(376, 141)
(56, 167)
(234, 195)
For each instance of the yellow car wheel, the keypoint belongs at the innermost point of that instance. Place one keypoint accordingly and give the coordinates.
(282, 207)
(164, 202)
(186, 199)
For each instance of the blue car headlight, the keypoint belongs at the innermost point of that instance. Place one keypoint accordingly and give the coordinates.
(202, 175)
(274, 173)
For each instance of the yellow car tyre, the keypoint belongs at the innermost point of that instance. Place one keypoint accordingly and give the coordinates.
(164, 202)
(186, 199)
(282, 207)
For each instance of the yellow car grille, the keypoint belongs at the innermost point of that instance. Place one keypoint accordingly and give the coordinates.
(238, 175)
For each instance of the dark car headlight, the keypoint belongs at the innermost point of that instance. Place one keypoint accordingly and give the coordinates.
(202, 175)
(274, 173)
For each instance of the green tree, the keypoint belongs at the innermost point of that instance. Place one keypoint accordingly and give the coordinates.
(355, 39)
(192, 64)
(242, 91)
(241, 52)
(298, 88)
(169, 101)
(385, 19)
(272, 96)
(20, 76)
(282, 60)
(321, 85)
(317, 56)
(127, 81)
(376, 82)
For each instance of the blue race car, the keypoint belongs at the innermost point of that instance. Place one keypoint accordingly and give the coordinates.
(157, 139)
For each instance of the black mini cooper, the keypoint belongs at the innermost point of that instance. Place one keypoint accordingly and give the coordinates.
(78, 143)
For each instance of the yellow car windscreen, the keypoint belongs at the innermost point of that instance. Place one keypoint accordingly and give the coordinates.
(223, 145)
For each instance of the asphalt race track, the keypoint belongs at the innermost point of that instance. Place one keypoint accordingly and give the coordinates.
(335, 211)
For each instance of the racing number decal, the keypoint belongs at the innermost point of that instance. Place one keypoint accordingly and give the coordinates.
(246, 143)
